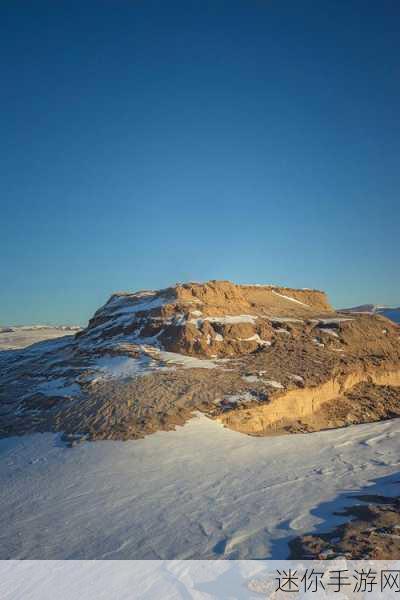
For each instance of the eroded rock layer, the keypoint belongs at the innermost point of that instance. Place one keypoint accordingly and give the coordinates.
(217, 318)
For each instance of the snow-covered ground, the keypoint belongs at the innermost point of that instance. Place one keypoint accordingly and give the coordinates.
(20, 337)
(199, 492)
(189, 580)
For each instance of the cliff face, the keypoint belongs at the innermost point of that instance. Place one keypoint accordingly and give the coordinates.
(282, 300)
(215, 319)
(271, 300)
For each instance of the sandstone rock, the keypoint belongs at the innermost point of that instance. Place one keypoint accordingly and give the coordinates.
(261, 359)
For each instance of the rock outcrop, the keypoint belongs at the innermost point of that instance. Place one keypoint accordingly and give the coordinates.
(261, 359)
(371, 533)
(217, 318)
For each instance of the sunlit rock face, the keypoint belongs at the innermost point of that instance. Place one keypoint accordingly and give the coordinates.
(259, 358)
(217, 318)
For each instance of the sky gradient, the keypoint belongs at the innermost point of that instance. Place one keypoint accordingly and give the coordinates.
(144, 143)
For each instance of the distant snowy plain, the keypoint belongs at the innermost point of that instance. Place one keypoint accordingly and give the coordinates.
(12, 338)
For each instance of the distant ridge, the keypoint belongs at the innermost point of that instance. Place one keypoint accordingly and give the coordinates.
(391, 313)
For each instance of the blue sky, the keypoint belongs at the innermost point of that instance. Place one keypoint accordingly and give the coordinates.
(144, 143)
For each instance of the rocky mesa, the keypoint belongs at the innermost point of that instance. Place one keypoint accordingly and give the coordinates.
(213, 319)
(262, 359)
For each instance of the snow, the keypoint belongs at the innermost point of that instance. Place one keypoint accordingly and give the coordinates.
(391, 313)
(331, 332)
(13, 338)
(201, 491)
(256, 338)
(251, 378)
(274, 384)
(119, 299)
(58, 387)
(243, 397)
(151, 359)
(110, 367)
(289, 298)
(180, 579)
(39, 327)
(123, 308)
(261, 285)
(226, 320)
(187, 362)
(119, 311)
(286, 320)
(331, 321)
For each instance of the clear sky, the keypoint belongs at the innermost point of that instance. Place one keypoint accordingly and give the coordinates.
(147, 142)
